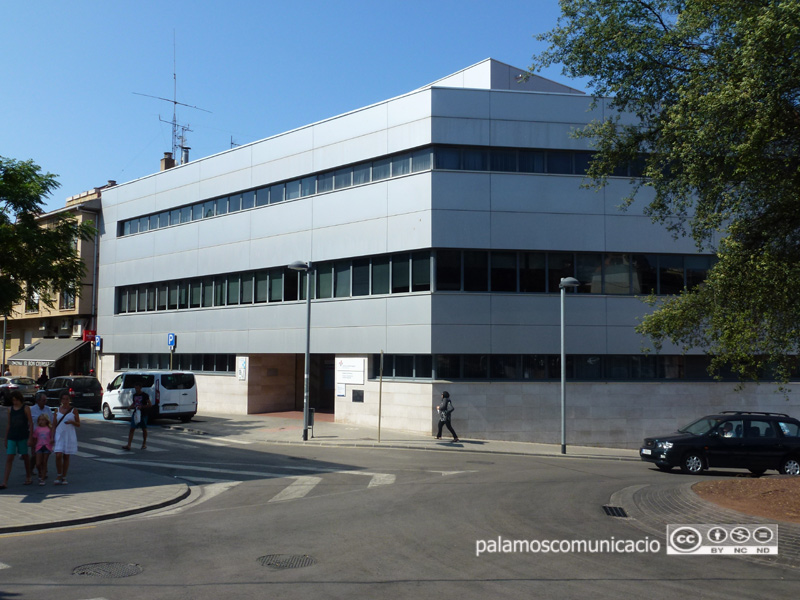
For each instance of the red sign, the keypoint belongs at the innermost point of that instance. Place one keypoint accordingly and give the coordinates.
(88, 335)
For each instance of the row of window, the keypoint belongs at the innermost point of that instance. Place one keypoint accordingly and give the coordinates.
(505, 160)
(543, 367)
(198, 363)
(404, 272)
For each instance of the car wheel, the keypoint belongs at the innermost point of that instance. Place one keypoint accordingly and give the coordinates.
(186, 418)
(107, 414)
(664, 468)
(692, 463)
(757, 472)
(790, 466)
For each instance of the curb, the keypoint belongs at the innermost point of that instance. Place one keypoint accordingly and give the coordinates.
(440, 448)
(97, 518)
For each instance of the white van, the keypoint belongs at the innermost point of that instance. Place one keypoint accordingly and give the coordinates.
(172, 393)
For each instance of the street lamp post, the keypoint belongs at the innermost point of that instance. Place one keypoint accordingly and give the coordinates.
(566, 282)
(306, 267)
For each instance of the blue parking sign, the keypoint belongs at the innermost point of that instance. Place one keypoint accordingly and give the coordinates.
(171, 341)
(98, 341)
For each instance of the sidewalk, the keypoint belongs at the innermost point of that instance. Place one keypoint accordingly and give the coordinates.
(287, 428)
(100, 490)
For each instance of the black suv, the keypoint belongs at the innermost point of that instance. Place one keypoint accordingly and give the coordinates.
(85, 391)
(732, 439)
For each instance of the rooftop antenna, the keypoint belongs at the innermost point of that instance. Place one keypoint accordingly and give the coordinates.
(178, 140)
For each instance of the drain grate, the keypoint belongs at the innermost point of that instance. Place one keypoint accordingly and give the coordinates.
(108, 570)
(286, 561)
(615, 511)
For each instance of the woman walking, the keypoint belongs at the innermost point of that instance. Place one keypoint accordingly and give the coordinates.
(66, 438)
(445, 410)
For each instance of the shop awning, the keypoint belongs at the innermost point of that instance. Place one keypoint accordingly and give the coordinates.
(45, 353)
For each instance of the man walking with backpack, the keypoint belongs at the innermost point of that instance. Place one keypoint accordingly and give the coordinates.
(445, 410)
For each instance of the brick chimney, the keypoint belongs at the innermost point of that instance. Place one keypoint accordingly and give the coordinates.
(167, 162)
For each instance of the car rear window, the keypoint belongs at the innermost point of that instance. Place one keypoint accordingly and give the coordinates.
(85, 385)
(789, 429)
(24, 381)
(145, 381)
(178, 381)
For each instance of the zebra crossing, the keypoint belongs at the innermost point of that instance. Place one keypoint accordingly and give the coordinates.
(301, 480)
(114, 446)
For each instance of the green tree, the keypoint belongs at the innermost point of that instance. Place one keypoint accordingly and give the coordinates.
(714, 89)
(35, 261)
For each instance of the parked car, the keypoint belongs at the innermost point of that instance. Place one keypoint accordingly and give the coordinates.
(757, 441)
(173, 394)
(85, 391)
(25, 385)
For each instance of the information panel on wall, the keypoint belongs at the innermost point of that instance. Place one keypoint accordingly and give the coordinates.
(350, 370)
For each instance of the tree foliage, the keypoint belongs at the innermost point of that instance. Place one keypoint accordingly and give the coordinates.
(34, 261)
(714, 86)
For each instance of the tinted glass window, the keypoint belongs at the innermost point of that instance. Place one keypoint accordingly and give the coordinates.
(380, 275)
(324, 182)
(476, 271)
(559, 162)
(560, 265)
(86, 384)
(177, 381)
(293, 189)
(420, 271)
(400, 273)
(381, 169)
(248, 200)
(531, 161)
(275, 285)
(262, 196)
(290, 279)
(670, 274)
(421, 160)
(504, 271)
(401, 165)
(276, 193)
(131, 379)
(308, 186)
(361, 174)
(361, 277)
(448, 270)
(342, 289)
(343, 178)
(532, 272)
(448, 158)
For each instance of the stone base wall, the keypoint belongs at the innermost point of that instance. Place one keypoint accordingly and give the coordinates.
(614, 415)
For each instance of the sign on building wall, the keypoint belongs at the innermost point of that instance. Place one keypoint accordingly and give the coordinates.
(350, 370)
(241, 368)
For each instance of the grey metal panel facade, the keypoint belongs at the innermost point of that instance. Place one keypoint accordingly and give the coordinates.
(423, 210)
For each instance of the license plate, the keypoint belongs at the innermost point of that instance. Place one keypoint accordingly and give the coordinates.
(646, 451)
(168, 408)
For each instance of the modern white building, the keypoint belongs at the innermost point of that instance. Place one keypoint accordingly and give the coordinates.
(438, 225)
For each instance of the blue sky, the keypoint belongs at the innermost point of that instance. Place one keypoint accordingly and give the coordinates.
(71, 70)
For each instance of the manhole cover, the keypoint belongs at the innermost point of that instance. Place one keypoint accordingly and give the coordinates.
(286, 561)
(108, 569)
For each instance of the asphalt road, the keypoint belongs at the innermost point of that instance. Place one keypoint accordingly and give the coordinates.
(371, 523)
